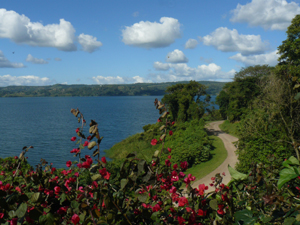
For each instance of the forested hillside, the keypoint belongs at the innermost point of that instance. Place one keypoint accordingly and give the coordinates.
(100, 90)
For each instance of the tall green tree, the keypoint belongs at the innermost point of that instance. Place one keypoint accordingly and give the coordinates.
(183, 101)
(236, 97)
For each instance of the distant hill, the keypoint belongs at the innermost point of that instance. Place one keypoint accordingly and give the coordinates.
(99, 90)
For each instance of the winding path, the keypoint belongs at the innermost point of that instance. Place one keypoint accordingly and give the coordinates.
(231, 157)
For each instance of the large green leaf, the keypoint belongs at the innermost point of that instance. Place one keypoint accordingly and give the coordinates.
(237, 175)
(297, 96)
(123, 183)
(143, 197)
(36, 197)
(286, 175)
(21, 211)
(246, 216)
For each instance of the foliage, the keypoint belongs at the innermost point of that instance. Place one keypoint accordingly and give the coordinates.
(230, 128)
(141, 192)
(99, 90)
(189, 142)
(237, 96)
(184, 103)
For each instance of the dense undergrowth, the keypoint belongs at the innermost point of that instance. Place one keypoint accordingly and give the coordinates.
(189, 142)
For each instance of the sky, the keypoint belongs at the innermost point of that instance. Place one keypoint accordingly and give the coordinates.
(137, 41)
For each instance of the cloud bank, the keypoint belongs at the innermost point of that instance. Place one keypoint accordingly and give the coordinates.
(5, 63)
(261, 59)
(30, 80)
(227, 40)
(269, 14)
(147, 34)
(19, 29)
(33, 60)
(176, 56)
(191, 44)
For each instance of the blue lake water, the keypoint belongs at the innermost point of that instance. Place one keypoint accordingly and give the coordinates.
(47, 124)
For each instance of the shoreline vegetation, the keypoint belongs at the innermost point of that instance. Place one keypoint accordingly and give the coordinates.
(138, 89)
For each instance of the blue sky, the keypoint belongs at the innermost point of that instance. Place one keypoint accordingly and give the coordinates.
(116, 42)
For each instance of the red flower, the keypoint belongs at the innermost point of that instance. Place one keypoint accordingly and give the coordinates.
(169, 156)
(56, 190)
(75, 219)
(89, 137)
(86, 143)
(103, 159)
(104, 174)
(220, 210)
(167, 162)
(77, 130)
(170, 132)
(69, 163)
(153, 142)
(1, 215)
(223, 173)
(14, 221)
(183, 201)
(73, 139)
(180, 220)
(202, 188)
(184, 165)
(175, 166)
(158, 120)
(201, 212)
(169, 149)
(173, 122)
(156, 208)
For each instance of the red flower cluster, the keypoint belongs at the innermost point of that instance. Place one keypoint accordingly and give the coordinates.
(104, 174)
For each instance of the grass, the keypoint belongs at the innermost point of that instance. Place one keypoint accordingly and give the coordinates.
(230, 128)
(219, 154)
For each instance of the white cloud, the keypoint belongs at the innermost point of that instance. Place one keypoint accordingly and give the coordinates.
(119, 80)
(21, 30)
(30, 80)
(191, 44)
(181, 71)
(227, 40)
(262, 59)
(57, 59)
(176, 56)
(152, 34)
(269, 14)
(33, 60)
(89, 43)
(4, 62)
(161, 66)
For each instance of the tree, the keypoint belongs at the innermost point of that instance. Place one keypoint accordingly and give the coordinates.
(237, 96)
(183, 101)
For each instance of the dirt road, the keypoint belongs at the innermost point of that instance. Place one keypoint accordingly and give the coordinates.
(231, 158)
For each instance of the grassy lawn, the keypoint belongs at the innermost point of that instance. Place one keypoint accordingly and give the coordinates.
(219, 154)
(230, 128)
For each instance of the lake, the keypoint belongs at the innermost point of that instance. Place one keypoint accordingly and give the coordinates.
(47, 124)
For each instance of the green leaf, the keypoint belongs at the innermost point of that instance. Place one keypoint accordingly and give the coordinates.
(297, 96)
(21, 211)
(47, 219)
(289, 221)
(74, 204)
(294, 160)
(143, 197)
(62, 198)
(213, 204)
(36, 197)
(246, 216)
(96, 177)
(141, 167)
(123, 183)
(12, 213)
(286, 175)
(237, 175)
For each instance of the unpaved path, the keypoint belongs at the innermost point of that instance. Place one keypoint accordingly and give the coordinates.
(231, 157)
